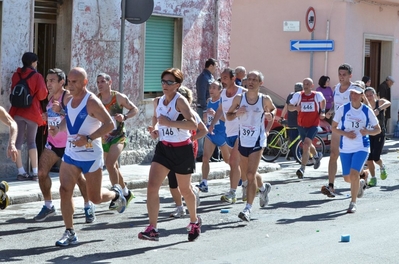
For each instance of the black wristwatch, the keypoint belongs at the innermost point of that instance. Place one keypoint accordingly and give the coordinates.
(88, 138)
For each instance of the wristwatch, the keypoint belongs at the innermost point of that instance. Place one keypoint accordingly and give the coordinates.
(88, 138)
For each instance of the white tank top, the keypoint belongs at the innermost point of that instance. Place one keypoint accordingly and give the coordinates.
(252, 126)
(170, 134)
(341, 98)
(231, 126)
(80, 122)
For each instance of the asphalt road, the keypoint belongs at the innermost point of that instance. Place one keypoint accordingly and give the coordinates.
(300, 225)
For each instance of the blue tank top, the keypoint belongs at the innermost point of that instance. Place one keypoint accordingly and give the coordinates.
(219, 126)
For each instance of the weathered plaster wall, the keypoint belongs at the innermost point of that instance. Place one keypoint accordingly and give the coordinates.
(16, 39)
(95, 47)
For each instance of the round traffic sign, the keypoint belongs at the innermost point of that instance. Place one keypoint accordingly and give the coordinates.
(138, 11)
(310, 19)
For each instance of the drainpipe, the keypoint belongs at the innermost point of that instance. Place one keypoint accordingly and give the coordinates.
(326, 54)
(216, 39)
(122, 46)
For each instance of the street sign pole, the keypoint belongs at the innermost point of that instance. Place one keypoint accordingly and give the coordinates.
(311, 58)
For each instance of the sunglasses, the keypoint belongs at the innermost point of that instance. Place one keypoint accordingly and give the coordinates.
(167, 82)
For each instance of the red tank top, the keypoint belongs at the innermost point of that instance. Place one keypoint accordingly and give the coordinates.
(309, 114)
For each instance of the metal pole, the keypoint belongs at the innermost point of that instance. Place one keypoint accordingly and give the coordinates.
(122, 46)
(311, 58)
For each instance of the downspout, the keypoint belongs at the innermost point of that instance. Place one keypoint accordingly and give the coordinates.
(326, 53)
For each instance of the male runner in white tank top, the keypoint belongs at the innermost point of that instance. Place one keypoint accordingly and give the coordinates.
(86, 121)
(341, 97)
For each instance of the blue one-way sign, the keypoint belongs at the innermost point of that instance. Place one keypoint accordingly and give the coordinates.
(311, 45)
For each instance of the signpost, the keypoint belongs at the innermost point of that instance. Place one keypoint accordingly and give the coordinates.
(312, 45)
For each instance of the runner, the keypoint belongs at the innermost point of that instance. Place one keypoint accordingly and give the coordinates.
(174, 143)
(251, 108)
(115, 141)
(55, 146)
(353, 123)
(310, 106)
(87, 121)
(215, 139)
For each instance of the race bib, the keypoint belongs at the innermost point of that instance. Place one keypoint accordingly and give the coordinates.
(307, 107)
(248, 131)
(54, 120)
(86, 148)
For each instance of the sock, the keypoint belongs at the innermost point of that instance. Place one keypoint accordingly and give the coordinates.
(116, 196)
(87, 205)
(34, 170)
(205, 181)
(233, 190)
(245, 183)
(262, 189)
(372, 176)
(125, 191)
(303, 167)
(180, 207)
(71, 231)
(21, 170)
(48, 204)
(248, 206)
(331, 185)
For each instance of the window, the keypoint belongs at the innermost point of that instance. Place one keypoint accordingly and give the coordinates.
(162, 50)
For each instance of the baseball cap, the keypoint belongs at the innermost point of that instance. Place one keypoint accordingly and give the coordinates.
(357, 87)
(298, 87)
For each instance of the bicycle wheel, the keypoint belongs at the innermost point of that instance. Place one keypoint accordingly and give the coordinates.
(318, 143)
(272, 151)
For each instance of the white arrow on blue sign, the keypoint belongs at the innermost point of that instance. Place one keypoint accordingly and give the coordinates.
(312, 45)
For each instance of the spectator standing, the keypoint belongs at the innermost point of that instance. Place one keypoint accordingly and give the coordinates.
(367, 81)
(384, 91)
(325, 89)
(203, 82)
(30, 118)
(241, 73)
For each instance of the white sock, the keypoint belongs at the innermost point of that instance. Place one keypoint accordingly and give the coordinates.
(233, 190)
(21, 170)
(48, 204)
(248, 206)
(205, 181)
(87, 205)
(125, 191)
(262, 189)
(245, 183)
(34, 170)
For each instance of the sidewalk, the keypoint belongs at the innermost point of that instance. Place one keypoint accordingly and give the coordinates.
(136, 176)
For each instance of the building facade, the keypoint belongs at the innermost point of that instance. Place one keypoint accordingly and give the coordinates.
(86, 33)
(365, 34)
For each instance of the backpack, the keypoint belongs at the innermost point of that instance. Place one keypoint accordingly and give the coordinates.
(20, 96)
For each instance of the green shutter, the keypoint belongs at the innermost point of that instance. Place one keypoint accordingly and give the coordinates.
(159, 40)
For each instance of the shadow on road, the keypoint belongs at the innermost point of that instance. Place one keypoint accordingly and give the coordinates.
(314, 217)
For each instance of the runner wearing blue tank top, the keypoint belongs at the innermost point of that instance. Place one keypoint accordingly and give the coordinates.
(86, 122)
(353, 123)
(250, 110)
(217, 138)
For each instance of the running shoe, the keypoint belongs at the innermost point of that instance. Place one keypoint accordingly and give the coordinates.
(25, 177)
(317, 160)
(244, 192)
(300, 173)
(383, 172)
(202, 186)
(129, 197)
(240, 182)
(112, 205)
(373, 182)
(264, 196)
(4, 199)
(326, 190)
(194, 229)
(179, 212)
(351, 208)
(44, 213)
(90, 213)
(150, 233)
(67, 239)
(121, 201)
(245, 215)
(229, 197)
(196, 192)
(362, 185)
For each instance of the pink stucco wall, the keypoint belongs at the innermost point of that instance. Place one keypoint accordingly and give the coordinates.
(259, 42)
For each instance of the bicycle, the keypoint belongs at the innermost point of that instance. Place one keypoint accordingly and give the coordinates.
(278, 143)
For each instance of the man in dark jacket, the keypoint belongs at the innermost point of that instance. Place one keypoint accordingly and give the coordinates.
(384, 91)
(204, 80)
